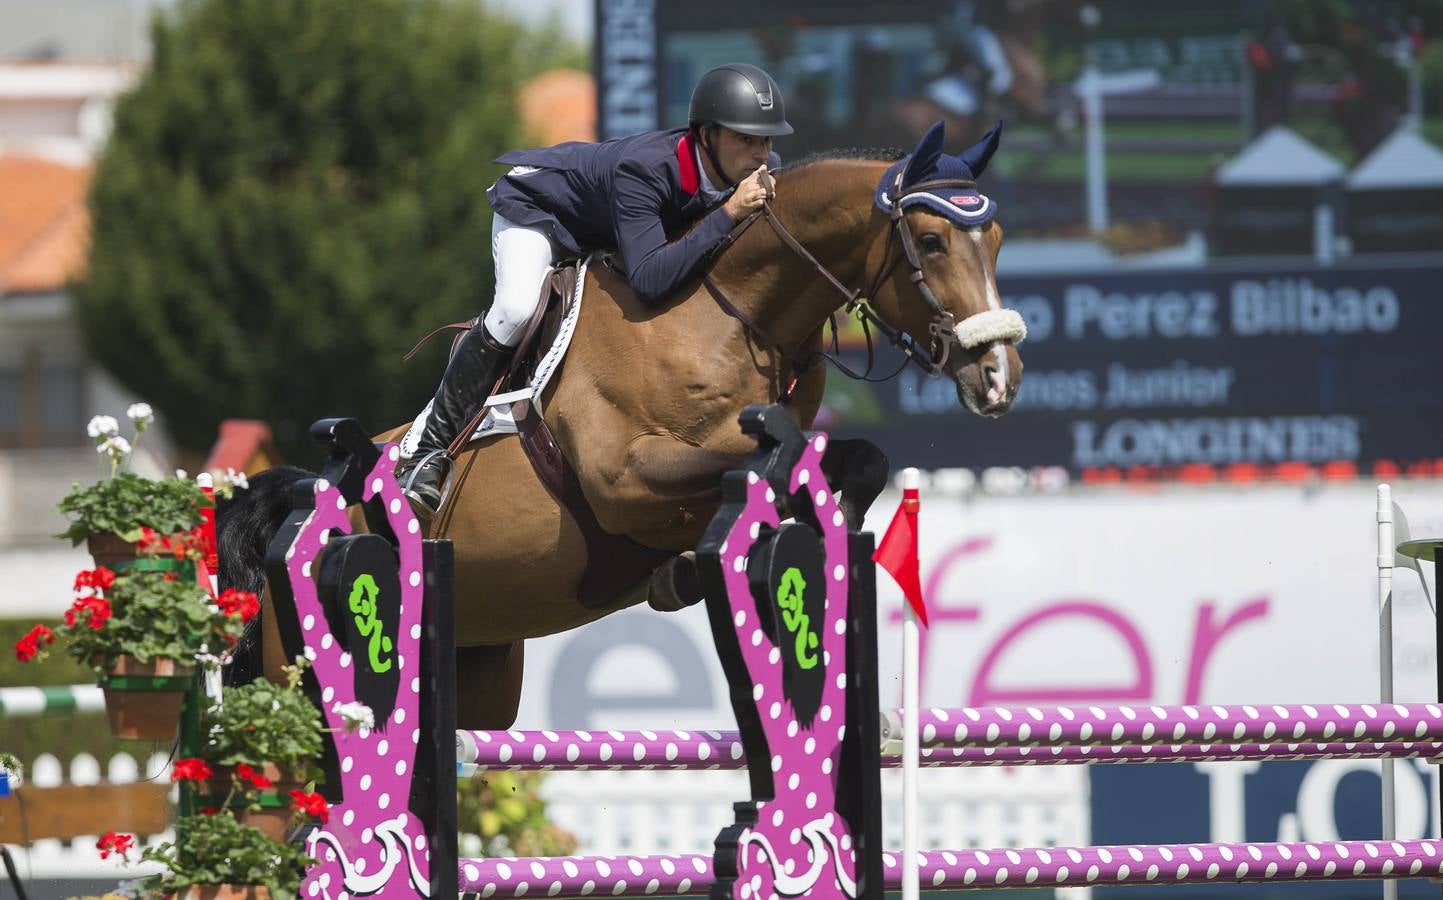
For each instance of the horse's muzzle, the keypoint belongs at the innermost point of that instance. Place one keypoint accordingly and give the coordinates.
(987, 383)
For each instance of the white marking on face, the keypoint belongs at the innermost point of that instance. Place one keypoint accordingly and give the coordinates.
(998, 387)
(989, 281)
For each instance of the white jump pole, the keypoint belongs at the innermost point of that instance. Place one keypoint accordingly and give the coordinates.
(911, 727)
(1385, 658)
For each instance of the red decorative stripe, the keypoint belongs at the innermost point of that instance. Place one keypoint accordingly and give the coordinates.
(686, 160)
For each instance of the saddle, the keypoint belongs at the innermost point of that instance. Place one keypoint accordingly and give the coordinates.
(615, 563)
(559, 293)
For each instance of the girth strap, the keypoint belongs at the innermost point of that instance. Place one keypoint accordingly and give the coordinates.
(613, 562)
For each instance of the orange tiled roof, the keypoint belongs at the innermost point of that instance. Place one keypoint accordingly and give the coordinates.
(44, 224)
(245, 445)
(559, 105)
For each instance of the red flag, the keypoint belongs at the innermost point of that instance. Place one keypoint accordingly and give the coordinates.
(898, 552)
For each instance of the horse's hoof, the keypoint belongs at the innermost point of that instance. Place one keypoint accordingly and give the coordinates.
(676, 584)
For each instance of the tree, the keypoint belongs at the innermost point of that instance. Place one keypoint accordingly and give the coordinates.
(291, 195)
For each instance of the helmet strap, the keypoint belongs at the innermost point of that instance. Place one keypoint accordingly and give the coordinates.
(712, 155)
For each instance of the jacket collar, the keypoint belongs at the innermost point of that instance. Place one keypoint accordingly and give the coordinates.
(686, 162)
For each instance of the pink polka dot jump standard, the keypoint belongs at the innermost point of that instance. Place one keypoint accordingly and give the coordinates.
(790, 595)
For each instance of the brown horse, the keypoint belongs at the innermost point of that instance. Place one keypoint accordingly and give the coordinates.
(645, 406)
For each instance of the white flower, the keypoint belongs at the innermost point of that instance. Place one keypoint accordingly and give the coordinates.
(141, 414)
(356, 714)
(117, 446)
(237, 478)
(102, 426)
(182, 474)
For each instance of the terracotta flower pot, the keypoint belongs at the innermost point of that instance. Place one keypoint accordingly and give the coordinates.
(272, 821)
(112, 551)
(285, 779)
(120, 555)
(144, 714)
(225, 892)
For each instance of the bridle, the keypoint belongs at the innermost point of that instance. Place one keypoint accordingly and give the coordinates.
(981, 328)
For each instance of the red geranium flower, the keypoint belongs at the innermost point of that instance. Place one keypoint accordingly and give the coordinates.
(114, 842)
(239, 603)
(151, 541)
(28, 647)
(99, 578)
(257, 780)
(97, 609)
(181, 545)
(190, 770)
(313, 805)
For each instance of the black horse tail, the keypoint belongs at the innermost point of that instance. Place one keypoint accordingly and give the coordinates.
(245, 525)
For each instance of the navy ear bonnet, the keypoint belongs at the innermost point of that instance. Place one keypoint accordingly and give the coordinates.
(963, 205)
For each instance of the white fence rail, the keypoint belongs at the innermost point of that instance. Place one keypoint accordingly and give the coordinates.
(78, 858)
(657, 811)
(672, 812)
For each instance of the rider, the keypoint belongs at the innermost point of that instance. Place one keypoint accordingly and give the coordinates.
(628, 194)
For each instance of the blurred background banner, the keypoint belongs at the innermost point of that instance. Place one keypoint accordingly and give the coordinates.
(1215, 365)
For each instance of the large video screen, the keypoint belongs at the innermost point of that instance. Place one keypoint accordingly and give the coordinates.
(1259, 183)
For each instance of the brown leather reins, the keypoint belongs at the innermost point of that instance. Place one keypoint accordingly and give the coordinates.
(943, 325)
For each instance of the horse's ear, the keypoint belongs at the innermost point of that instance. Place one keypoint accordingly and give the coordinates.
(975, 157)
(923, 161)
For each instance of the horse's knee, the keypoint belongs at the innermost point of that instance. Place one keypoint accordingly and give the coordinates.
(676, 584)
(871, 468)
(859, 470)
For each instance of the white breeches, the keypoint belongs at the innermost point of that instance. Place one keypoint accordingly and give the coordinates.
(522, 257)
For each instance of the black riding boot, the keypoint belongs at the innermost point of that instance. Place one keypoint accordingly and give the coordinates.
(470, 375)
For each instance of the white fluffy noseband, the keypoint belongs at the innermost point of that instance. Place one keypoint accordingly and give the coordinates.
(990, 327)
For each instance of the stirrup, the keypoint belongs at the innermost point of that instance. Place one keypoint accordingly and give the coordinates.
(415, 464)
(418, 503)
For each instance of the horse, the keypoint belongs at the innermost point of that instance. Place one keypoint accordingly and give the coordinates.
(646, 402)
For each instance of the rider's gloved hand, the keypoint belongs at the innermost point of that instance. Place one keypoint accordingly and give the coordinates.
(749, 195)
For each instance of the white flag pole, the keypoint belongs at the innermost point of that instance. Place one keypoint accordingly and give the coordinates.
(911, 747)
(1385, 659)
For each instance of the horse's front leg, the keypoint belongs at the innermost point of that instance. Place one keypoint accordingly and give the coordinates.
(858, 469)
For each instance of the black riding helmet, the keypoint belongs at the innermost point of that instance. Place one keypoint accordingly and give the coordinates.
(741, 97)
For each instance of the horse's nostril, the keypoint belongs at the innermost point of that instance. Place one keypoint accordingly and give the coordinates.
(994, 381)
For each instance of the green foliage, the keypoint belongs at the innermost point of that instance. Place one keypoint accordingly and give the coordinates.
(1431, 62)
(291, 195)
(217, 849)
(506, 813)
(150, 617)
(263, 722)
(65, 734)
(124, 504)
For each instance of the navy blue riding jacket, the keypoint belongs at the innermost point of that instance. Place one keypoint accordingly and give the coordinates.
(632, 194)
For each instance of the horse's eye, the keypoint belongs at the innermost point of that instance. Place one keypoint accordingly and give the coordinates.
(931, 243)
